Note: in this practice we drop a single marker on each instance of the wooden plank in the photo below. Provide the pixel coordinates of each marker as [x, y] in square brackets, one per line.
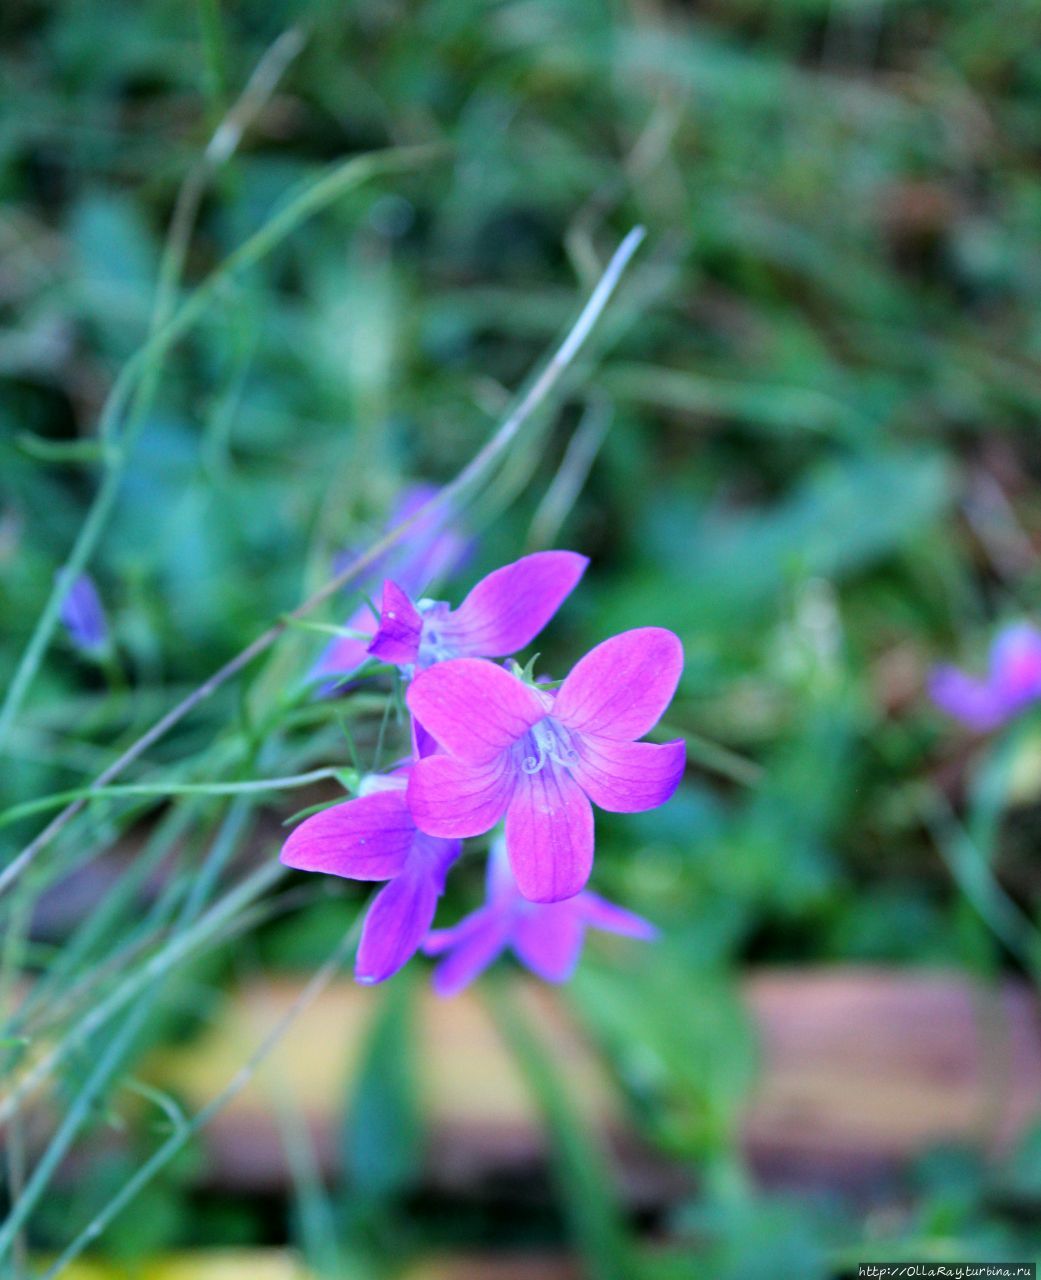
[278, 1264]
[876, 1066]
[201, 1264]
[861, 1070]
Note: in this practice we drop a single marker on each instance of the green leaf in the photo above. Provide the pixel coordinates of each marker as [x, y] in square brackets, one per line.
[581, 1173]
[383, 1133]
[60, 451]
[680, 1042]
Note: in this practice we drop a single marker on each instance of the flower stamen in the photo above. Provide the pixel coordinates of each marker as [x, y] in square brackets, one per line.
[549, 741]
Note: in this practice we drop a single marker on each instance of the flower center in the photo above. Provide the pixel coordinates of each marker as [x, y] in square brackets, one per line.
[433, 646]
[547, 741]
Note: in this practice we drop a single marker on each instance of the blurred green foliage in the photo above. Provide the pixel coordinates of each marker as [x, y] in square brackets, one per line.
[816, 460]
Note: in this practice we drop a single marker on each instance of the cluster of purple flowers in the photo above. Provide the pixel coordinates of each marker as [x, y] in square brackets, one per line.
[492, 744]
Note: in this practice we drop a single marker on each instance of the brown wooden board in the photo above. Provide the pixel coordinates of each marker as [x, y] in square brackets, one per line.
[861, 1070]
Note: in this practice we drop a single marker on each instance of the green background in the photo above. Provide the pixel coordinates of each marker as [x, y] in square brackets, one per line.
[804, 437]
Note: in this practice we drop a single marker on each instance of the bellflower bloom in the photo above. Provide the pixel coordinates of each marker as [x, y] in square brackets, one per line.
[1012, 683]
[501, 615]
[83, 617]
[374, 838]
[545, 937]
[512, 749]
[430, 551]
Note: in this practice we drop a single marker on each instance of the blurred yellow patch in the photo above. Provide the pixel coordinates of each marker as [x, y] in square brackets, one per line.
[1025, 783]
[215, 1264]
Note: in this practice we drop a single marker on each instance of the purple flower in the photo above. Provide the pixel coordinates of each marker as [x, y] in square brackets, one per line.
[430, 551]
[501, 615]
[374, 838]
[512, 749]
[1013, 681]
[545, 937]
[83, 616]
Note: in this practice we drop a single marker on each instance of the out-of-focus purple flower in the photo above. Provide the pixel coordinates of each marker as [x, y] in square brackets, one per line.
[83, 616]
[501, 615]
[375, 838]
[1013, 681]
[512, 749]
[431, 550]
[545, 937]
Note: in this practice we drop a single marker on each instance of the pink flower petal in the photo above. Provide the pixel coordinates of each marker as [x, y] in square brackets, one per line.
[507, 609]
[397, 922]
[400, 627]
[601, 914]
[621, 688]
[364, 839]
[448, 797]
[549, 835]
[473, 708]
[476, 942]
[438, 941]
[548, 940]
[1015, 665]
[627, 777]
